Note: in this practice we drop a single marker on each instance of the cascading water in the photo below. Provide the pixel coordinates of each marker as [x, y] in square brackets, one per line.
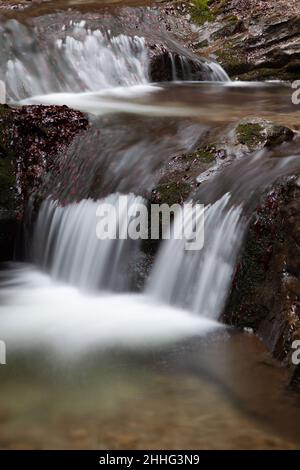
[86, 65]
[79, 60]
[102, 329]
[65, 243]
[83, 60]
[199, 280]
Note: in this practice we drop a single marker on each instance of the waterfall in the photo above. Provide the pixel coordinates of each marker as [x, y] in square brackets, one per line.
[81, 284]
[65, 243]
[199, 280]
[105, 61]
[186, 68]
[81, 59]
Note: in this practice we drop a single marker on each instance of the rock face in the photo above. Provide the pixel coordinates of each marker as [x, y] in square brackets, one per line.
[170, 62]
[253, 40]
[29, 139]
[179, 177]
[186, 172]
[265, 294]
[262, 52]
[266, 289]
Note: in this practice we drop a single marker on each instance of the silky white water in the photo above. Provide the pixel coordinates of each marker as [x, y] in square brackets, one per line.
[67, 246]
[72, 307]
[80, 60]
[71, 301]
[38, 312]
[65, 308]
[199, 280]
[83, 60]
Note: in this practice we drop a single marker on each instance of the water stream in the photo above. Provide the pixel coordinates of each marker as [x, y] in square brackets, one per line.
[153, 369]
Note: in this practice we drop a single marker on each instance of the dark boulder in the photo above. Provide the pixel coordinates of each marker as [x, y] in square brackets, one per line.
[171, 62]
[30, 138]
[265, 293]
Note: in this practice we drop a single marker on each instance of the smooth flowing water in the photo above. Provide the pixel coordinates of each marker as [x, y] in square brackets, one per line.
[91, 362]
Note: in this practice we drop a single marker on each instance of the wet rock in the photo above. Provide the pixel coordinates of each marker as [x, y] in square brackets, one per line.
[255, 134]
[270, 52]
[231, 27]
[179, 177]
[185, 172]
[169, 62]
[30, 137]
[252, 40]
[265, 294]
[9, 227]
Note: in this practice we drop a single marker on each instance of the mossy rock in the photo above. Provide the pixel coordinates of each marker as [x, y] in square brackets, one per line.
[27, 135]
[201, 44]
[250, 134]
[249, 301]
[9, 222]
[204, 154]
[218, 7]
[7, 170]
[200, 12]
[260, 133]
[171, 193]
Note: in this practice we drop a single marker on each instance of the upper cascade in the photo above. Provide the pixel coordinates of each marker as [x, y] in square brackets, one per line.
[81, 59]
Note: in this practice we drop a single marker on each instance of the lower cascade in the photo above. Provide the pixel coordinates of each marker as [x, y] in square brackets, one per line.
[199, 280]
[65, 244]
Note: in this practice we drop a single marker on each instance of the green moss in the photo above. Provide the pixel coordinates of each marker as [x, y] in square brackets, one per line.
[174, 192]
[3, 109]
[207, 155]
[200, 12]
[249, 134]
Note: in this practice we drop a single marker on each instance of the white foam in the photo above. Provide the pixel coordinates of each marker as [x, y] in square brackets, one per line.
[37, 312]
